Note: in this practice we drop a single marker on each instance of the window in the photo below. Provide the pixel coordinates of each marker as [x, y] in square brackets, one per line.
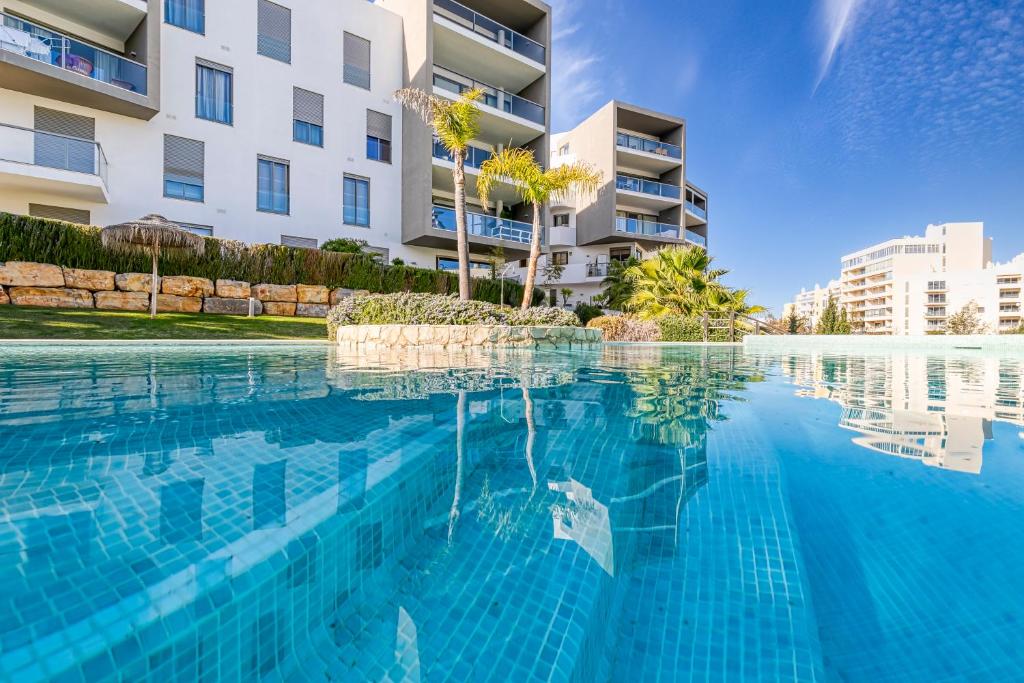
[184, 161]
[357, 201]
[274, 31]
[308, 115]
[378, 136]
[59, 213]
[186, 14]
[559, 258]
[213, 92]
[204, 230]
[271, 185]
[301, 242]
[563, 150]
[561, 220]
[357, 61]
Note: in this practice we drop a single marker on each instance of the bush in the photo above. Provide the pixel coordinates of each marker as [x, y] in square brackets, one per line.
[625, 328]
[676, 328]
[587, 312]
[344, 245]
[23, 238]
[408, 308]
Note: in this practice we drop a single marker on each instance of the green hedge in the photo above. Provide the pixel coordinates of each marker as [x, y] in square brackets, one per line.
[23, 238]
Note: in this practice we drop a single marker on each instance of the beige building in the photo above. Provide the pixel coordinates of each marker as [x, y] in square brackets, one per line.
[876, 281]
[810, 304]
[645, 202]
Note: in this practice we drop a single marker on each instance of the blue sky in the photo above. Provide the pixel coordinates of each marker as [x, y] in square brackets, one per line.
[817, 127]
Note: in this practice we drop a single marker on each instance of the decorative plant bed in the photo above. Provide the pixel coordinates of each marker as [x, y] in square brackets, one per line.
[441, 336]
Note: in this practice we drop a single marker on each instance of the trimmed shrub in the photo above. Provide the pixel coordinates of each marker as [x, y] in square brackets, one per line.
[23, 238]
[626, 328]
[676, 328]
[587, 312]
[409, 308]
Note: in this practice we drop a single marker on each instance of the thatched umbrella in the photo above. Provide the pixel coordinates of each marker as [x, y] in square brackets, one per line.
[152, 233]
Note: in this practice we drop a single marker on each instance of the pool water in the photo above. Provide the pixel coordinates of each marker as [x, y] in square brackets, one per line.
[623, 514]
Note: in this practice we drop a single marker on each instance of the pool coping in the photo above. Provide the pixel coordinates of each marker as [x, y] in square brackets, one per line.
[164, 342]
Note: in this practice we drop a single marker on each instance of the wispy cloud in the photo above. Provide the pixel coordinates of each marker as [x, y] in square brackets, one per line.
[579, 77]
[837, 20]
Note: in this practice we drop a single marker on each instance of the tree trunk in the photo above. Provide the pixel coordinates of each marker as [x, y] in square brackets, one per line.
[460, 438]
[531, 271]
[531, 433]
[154, 284]
[461, 235]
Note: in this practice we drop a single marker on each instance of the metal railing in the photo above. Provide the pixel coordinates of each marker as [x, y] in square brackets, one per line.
[474, 155]
[63, 52]
[597, 269]
[647, 145]
[52, 150]
[482, 225]
[632, 226]
[454, 82]
[633, 184]
[491, 30]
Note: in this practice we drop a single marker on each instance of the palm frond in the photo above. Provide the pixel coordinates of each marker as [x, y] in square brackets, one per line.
[515, 166]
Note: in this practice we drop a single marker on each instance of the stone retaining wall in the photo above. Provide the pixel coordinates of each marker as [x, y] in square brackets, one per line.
[41, 284]
[448, 336]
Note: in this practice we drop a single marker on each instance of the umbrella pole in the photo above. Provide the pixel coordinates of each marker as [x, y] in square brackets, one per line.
[154, 286]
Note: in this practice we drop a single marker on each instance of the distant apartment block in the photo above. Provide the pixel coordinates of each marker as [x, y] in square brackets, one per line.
[810, 304]
[644, 204]
[266, 121]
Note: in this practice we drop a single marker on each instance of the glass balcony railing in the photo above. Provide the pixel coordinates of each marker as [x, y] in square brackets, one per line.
[597, 269]
[27, 39]
[646, 145]
[482, 225]
[39, 148]
[491, 30]
[454, 82]
[474, 157]
[694, 238]
[696, 210]
[632, 226]
[652, 187]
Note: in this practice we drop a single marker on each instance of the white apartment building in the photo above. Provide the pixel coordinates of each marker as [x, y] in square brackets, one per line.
[644, 203]
[810, 304]
[995, 289]
[261, 121]
[878, 282]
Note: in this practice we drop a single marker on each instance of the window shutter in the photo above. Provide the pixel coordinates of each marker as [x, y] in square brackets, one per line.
[308, 106]
[63, 123]
[378, 125]
[274, 31]
[59, 213]
[56, 151]
[184, 160]
[357, 61]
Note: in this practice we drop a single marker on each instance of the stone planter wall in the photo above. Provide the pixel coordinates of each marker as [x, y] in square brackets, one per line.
[41, 284]
[461, 336]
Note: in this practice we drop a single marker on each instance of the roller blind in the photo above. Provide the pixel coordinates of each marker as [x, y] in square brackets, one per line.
[308, 106]
[357, 60]
[378, 125]
[59, 213]
[274, 31]
[302, 242]
[57, 151]
[184, 159]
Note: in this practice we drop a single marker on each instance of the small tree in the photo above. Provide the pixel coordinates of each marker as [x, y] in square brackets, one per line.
[829, 320]
[551, 272]
[967, 321]
[566, 293]
[344, 245]
[843, 324]
[793, 323]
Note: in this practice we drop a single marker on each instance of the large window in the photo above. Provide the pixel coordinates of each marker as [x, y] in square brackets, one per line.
[186, 14]
[213, 92]
[357, 61]
[184, 162]
[378, 136]
[357, 201]
[308, 117]
[272, 185]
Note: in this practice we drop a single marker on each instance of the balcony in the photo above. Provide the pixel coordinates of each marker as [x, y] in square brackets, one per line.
[497, 52]
[48, 163]
[505, 118]
[649, 195]
[70, 70]
[598, 269]
[696, 205]
[645, 154]
[695, 239]
[482, 225]
[632, 226]
[115, 18]
[442, 175]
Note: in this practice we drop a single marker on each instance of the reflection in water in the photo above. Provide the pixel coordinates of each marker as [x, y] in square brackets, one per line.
[937, 410]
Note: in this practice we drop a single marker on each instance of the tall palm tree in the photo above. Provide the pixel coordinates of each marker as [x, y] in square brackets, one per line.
[676, 281]
[455, 123]
[535, 186]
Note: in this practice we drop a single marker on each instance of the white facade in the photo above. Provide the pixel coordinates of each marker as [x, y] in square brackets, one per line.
[129, 182]
[810, 304]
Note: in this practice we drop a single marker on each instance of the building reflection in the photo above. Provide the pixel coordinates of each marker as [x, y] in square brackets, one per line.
[937, 410]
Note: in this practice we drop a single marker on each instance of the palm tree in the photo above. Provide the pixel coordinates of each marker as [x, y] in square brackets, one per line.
[617, 287]
[535, 186]
[678, 281]
[732, 301]
[455, 123]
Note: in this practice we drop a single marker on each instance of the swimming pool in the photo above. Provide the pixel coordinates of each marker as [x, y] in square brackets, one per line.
[622, 514]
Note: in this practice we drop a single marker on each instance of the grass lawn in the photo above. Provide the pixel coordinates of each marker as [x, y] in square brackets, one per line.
[18, 322]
